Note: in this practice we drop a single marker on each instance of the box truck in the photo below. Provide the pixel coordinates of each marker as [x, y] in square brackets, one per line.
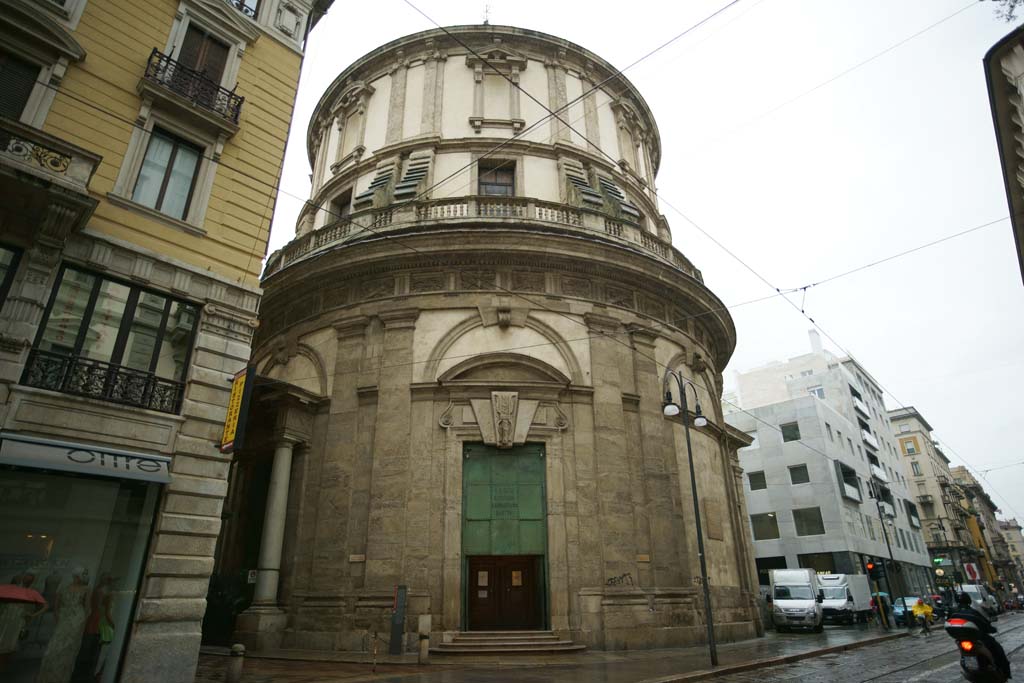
[847, 598]
[796, 600]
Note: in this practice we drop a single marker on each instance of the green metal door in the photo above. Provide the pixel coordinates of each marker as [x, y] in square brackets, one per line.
[504, 508]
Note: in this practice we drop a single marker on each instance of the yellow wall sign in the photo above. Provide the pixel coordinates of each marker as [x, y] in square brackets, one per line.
[238, 407]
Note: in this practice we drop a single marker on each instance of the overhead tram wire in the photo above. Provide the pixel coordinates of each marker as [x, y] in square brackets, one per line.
[518, 295]
[844, 72]
[275, 186]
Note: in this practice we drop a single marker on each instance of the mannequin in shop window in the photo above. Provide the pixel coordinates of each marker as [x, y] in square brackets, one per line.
[69, 611]
[99, 632]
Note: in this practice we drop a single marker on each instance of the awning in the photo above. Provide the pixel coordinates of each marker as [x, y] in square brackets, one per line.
[31, 451]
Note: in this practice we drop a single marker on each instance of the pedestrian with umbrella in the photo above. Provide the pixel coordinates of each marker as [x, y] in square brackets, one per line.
[19, 603]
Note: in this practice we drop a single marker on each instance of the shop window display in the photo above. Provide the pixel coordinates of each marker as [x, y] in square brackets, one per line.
[79, 543]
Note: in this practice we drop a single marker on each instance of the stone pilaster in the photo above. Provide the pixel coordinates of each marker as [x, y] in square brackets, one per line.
[341, 488]
[610, 450]
[389, 494]
[433, 91]
[661, 506]
[557, 98]
[589, 80]
[396, 105]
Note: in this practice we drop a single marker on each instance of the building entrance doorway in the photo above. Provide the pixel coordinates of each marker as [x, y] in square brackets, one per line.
[504, 538]
[504, 592]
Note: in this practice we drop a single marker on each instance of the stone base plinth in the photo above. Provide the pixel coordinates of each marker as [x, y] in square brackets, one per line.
[261, 628]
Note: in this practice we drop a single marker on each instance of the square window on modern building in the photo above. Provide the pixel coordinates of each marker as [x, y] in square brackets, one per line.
[798, 474]
[497, 178]
[817, 391]
[790, 431]
[113, 341]
[168, 174]
[808, 522]
[765, 526]
[757, 481]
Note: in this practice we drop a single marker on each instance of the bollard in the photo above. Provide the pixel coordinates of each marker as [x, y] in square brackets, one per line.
[235, 663]
[423, 627]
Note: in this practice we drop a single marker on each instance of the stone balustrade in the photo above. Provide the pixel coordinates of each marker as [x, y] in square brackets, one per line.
[517, 212]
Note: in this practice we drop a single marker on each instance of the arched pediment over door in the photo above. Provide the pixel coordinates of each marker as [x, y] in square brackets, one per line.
[506, 396]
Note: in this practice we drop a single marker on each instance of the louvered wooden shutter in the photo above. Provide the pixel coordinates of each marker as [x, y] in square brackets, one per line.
[17, 78]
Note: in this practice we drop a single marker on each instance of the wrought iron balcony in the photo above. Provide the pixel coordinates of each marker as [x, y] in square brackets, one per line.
[193, 86]
[104, 381]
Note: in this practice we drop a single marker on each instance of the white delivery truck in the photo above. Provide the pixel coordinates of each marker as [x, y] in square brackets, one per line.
[795, 600]
[847, 597]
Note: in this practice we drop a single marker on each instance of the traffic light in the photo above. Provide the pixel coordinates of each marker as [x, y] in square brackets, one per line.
[938, 560]
[875, 569]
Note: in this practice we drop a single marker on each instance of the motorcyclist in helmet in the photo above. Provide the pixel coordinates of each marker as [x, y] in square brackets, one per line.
[965, 610]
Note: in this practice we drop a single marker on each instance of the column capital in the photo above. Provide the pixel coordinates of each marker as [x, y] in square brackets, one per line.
[640, 334]
[601, 324]
[351, 327]
[405, 317]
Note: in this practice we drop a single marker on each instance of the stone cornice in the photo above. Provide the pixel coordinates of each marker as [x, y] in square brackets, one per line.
[345, 273]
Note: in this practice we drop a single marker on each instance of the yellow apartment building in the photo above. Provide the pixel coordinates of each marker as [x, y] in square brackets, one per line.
[141, 146]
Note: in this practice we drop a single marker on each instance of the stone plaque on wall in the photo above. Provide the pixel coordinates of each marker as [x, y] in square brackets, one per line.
[713, 519]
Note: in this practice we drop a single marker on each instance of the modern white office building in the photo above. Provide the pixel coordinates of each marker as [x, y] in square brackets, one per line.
[824, 486]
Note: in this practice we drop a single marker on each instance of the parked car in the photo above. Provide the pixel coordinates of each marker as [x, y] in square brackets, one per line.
[900, 611]
[981, 600]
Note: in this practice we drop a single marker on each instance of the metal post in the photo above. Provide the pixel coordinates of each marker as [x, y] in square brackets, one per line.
[235, 664]
[700, 529]
[892, 562]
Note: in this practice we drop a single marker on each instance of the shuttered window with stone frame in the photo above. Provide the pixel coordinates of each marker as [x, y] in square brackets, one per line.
[17, 79]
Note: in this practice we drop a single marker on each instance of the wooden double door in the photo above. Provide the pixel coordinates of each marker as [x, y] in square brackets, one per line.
[505, 592]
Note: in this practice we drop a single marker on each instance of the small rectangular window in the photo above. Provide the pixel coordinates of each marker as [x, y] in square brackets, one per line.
[790, 431]
[8, 266]
[909, 446]
[765, 526]
[757, 481]
[916, 467]
[168, 174]
[798, 474]
[497, 178]
[808, 522]
[806, 373]
[817, 391]
[828, 429]
[904, 429]
[17, 79]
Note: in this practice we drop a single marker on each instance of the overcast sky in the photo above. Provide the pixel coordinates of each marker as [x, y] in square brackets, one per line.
[892, 155]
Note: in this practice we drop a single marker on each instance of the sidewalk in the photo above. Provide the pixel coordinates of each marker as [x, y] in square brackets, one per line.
[648, 666]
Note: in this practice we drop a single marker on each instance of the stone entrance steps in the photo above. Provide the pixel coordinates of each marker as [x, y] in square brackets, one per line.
[506, 643]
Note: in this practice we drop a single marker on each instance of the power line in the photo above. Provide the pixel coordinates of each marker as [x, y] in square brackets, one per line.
[839, 75]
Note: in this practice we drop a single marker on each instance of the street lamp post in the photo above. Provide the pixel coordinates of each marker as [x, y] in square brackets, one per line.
[892, 560]
[670, 409]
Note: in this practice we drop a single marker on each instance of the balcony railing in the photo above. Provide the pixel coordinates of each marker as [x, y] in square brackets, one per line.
[194, 86]
[518, 211]
[852, 492]
[104, 381]
[861, 406]
[878, 473]
[869, 438]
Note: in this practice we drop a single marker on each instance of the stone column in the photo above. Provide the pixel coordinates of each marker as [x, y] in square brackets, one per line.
[396, 105]
[272, 540]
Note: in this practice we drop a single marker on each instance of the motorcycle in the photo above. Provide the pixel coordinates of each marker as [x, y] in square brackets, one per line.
[977, 664]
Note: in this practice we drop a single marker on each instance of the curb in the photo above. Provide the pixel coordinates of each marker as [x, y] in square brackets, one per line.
[772, 661]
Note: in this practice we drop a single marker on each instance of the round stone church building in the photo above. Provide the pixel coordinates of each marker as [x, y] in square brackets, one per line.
[460, 369]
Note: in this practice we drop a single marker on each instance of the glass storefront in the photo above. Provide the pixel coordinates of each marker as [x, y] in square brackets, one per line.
[79, 541]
